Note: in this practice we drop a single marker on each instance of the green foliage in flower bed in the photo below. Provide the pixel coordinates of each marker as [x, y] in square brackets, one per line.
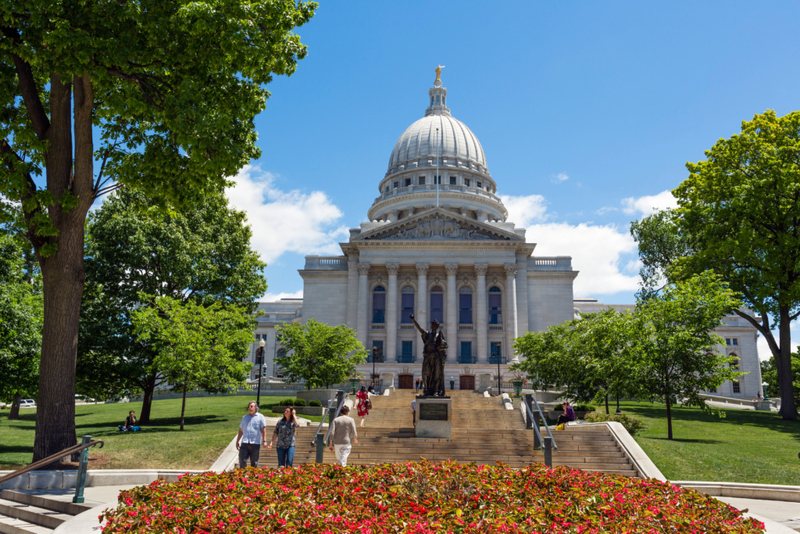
[292, 402]
[419, 498]
[631, 424]
[314, 403]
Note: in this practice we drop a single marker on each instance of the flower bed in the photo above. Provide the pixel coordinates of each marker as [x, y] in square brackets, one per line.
[419, 498]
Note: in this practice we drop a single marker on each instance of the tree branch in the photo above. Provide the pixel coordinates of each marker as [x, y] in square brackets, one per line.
[27, 85]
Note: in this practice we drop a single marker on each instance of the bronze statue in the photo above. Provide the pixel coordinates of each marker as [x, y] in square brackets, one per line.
[438, 73]
[434, 355]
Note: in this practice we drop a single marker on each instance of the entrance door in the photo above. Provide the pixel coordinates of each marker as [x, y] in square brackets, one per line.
[405, 381]
[467, 382]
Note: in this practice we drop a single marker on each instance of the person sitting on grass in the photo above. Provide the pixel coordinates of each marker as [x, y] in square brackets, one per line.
[130, 423]
[568, 415]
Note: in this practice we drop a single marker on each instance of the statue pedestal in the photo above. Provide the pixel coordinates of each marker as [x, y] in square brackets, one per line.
[434, 417]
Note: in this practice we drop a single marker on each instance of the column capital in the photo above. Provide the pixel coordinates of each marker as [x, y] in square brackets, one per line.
[511, 269]
[451, 269]
[392, 268]
[363, 269]
[481, 268]
[422, 269]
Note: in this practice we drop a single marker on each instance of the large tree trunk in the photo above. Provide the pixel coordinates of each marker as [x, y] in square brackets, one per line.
[783, 365]
[669, 419]
[147, 401]
[14, 413]
[183, 405]
[63, 272]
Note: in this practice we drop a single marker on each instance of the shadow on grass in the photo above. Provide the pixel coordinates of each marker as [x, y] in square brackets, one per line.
[163, 424]
[683, 440]
[16, 448]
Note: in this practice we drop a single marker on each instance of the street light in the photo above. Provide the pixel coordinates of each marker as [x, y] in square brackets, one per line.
[260, 363]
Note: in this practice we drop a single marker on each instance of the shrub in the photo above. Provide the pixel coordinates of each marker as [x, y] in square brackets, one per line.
[631, 425]
[420, 498]
[314, 403]
[299, 402]
[584, 408]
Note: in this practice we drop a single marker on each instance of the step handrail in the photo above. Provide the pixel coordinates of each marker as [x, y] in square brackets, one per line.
[544, 420]
[50, 459]
[327, 411]
[338, 409]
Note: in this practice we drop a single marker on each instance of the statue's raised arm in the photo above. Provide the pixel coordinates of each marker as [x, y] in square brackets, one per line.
[421, 331]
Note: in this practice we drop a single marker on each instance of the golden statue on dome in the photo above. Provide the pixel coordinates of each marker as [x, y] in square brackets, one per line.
[439, 73]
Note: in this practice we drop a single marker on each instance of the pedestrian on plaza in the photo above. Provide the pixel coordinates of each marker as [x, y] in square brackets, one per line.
[414, 412]
[252, 435]
[417, 383]
[364, 404]
[343, 435]
[284, 435]
[371, 389]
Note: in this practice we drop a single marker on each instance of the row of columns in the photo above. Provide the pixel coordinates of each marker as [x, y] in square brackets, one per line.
[481, 319]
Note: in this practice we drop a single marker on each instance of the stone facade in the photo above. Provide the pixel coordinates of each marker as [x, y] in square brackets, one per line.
[438, 245]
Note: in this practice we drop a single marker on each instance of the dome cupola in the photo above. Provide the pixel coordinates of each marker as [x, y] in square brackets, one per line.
[438, 143]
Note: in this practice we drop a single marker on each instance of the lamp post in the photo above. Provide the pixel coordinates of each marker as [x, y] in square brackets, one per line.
[499, 390]
[260, 363]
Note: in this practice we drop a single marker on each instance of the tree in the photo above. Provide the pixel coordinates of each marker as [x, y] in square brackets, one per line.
[676, 342]
[170, 89]
[587, 358]
[198, 346]
[201, 254]
[738, 214]
[319, 354]
[769, 374]
[21, 331]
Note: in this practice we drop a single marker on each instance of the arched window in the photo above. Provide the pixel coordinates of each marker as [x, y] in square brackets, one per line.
[495, 305]
[406, 304]
[437, 304]
[735, 366]
[379, 305]
[465, 306]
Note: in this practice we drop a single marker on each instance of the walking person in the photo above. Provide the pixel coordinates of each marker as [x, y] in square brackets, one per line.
[416, 384]
[284, 435]
[343, 436]
[252, 435]
[364, 404]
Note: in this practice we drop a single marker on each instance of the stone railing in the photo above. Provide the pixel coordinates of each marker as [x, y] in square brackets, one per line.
[551, 263]
[326, 263]
[443, 188]
[760, 405]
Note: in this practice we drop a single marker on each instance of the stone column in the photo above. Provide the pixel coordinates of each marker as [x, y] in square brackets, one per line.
[451, 319]
[352, 292]
[391, 312]
[269, 353]
[363, 302]
[522, 293]
[422, 306]
[511, 292]
[482, 315]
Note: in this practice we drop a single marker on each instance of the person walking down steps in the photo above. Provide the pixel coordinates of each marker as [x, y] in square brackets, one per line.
[364, 404]
[343, 436]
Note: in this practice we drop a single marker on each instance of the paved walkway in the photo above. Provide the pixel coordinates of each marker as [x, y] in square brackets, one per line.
[783, 512]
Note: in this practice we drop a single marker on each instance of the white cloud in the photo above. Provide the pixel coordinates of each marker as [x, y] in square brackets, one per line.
[606, 209]
[647, 205]
[524, 211]
[763, 347]
[560, 177]
[597, 252]
[274, 297]
[286, 221]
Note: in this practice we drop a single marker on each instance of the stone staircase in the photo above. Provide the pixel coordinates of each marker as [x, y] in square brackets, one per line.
[484, 432]
[21, 513]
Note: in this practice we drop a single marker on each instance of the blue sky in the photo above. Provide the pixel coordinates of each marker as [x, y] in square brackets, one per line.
[587, 112]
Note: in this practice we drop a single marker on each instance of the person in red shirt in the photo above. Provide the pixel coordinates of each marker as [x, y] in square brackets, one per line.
[363, 398]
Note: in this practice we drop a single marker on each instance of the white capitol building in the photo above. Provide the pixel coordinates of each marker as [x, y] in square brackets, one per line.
[438, 244]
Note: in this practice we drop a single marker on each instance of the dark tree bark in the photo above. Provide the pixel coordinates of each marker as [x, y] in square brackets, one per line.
[13, 415]
[607, 412]
[788, 410]
[183, 405]
[148, 391]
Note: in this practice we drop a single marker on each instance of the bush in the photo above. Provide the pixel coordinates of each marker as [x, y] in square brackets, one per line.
[288, 402]
[584, 408]
[314, 403]
[419, 497]
[631, 425]
[299, 402]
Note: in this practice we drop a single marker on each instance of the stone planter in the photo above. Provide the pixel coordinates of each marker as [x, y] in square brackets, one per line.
[321, 395]
[517, 385]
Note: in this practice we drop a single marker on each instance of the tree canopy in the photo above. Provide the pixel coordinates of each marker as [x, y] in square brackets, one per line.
[168, 88]
[318, 354]
[199, 255]
[738, 215]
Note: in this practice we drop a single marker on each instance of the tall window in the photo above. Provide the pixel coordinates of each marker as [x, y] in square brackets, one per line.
[407, 356]
[276, 368]
[465, 306]
[406, 304]
[735, 366]
[408, 182]
[437, 304]
[495, 306]
[452, 180]
[421, 180]
[466, 352]
[379, 305]
[496, 351]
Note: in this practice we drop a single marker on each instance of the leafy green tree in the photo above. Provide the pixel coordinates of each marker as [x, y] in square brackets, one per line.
[198, 347]
[201, 254]
[660, 243]
[319, 354]
[738, 215]
[20, 326]
[587, 358]
[169, 87]
[769, 374]
[676, 342]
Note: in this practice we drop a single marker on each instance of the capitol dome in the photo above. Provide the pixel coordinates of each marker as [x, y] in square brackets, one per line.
[439, 143]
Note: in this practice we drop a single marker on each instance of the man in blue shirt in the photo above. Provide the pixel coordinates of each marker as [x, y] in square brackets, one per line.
[252, 435]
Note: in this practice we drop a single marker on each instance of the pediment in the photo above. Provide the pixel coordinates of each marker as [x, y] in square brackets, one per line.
[438, 225]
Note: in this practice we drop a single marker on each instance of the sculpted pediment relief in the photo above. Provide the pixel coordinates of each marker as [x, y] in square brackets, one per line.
[437, 227]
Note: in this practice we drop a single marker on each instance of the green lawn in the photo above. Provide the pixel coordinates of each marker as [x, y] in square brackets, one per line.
[745, 446]
[210, 424]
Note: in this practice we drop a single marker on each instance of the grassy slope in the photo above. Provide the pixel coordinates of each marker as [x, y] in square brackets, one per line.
[210, 424]
[745, 446]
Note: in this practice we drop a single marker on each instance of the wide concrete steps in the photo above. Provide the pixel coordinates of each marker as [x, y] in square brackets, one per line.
[21, 513]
